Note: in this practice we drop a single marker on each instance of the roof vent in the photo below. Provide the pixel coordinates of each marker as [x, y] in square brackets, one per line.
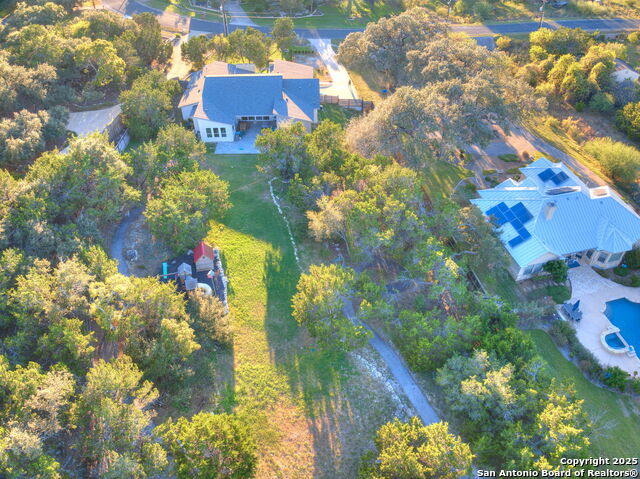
[549, 210]
[600, 191]
[561, 190]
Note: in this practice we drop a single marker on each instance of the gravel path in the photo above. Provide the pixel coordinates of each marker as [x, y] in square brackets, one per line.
[400, 372]
[117, 243]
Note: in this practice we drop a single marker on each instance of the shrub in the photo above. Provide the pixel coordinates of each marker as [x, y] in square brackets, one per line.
[557, 269]
[632, 258]
[618, 161]
[558, 333]
[552, 122]
[621, 271]
[580, 107]
[602, 102]
[628, 120]
[209, 319]
[614, 377]
[537, 53]
[559, 293]
[503, 43]
[633, 37]
[509, 157]
[482, 10]
[547, 89]
[588, 8]
[635, 281]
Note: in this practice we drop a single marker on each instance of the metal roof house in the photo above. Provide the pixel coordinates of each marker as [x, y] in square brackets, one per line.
[222, 99]
[551, 214]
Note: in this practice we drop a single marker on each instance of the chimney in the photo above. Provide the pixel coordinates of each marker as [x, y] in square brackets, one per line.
[549, 209]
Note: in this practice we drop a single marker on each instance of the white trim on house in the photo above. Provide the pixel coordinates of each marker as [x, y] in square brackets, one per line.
[212, 131]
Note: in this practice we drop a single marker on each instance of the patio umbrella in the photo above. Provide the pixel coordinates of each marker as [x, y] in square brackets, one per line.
[576, 305]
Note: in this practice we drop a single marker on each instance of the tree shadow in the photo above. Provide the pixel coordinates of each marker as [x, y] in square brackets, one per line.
[316, 377]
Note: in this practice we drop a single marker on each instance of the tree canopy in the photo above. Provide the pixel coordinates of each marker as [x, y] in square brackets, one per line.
[184, 206]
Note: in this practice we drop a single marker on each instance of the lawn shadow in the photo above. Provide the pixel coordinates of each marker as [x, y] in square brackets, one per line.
[316, 378]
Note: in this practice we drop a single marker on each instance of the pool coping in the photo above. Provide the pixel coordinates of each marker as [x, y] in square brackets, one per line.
[594, 292]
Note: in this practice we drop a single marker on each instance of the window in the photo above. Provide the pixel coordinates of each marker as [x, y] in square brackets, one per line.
[537, 268]
[216, 132]
[528, 270]
[602, 257]
[615, 257]
[209, 133]
[589, 253]
[223, 132]
[245, 118]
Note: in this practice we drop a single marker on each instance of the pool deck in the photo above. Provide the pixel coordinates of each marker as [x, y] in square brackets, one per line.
[594, 292]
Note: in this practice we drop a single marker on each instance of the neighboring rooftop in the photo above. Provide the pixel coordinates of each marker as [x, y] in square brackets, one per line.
[552, 211]
[290, 70]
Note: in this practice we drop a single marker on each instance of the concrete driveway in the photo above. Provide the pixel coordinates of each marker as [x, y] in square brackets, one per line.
[238, 15]
[518, 141]
[341, 84]
[179, 68]
[84, 122]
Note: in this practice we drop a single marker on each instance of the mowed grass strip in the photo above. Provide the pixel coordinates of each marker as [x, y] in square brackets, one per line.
[616, 416]
[314, 413]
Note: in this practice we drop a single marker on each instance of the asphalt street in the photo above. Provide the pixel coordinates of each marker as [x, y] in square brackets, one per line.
[131, 7]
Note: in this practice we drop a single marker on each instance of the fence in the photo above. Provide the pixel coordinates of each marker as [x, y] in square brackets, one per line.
[352, 103]
[123, 141]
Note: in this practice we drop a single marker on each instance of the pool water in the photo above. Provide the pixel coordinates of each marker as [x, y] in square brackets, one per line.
[625, 315]
[613, 340]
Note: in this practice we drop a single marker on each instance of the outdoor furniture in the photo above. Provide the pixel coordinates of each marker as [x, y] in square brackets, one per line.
[573, 310]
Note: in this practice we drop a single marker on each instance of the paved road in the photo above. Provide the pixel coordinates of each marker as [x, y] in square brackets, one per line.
[131, 7]
[400, 372]
[117, 243]
[238, 15]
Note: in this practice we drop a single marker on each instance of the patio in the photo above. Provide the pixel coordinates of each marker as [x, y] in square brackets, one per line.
[244, 145]
[594, 292]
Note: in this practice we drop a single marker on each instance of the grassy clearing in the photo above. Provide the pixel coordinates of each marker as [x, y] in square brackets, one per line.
[563, 142]
[333, 16]
[441, 177]
[337, 114]
[314, 414]
[617, 417]
[368, 85]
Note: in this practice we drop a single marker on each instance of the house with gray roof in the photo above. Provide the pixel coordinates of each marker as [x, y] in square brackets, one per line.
[551, 214]
[223, 99]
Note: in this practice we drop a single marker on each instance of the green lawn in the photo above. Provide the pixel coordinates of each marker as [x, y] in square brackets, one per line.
[314, 414]
[617, 417]
[442, 177]
[334, 16]
[337, 114]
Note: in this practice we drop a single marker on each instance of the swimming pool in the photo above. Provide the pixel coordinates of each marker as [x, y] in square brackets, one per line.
[614, 341]
[625, 314]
